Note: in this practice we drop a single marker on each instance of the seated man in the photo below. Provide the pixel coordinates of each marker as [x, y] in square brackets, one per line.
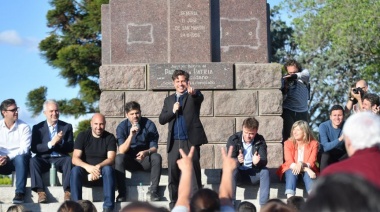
[371, 103]
[93, 157]
[52, 141]
[138, 142]
[331, 138]
[250, 150]
[15, 137]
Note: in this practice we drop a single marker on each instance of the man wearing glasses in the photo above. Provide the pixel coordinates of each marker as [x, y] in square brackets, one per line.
[15, 138]
[354, 102]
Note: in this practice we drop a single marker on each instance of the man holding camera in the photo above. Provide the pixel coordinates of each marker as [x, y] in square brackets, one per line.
[354, 102]
[295, 89]
[250, 150]
[138, 143]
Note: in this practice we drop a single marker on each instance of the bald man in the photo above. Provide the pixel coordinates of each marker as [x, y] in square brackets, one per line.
[94, 155]
[354, 102]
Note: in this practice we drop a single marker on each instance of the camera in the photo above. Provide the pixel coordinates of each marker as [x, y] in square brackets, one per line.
[358, 90]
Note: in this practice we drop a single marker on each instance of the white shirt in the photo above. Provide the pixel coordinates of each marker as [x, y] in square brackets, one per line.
[247, 155]
[15, 141]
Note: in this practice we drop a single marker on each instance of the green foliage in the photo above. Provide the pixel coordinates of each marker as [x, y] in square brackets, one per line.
[338, 42]
[35, 100]
[82, 126]
[5, 180]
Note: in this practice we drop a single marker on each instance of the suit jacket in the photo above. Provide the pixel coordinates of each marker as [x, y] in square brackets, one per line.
[291, 155]
[191, 111]
[41, 137]
[258, 144]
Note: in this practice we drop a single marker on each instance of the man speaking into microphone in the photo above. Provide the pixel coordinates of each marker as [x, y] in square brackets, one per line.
[137, 138]
[181, 110]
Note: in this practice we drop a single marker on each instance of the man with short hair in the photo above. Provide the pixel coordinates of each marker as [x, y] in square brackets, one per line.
[295, 90]
[354, 102]
[362, 139]
[182, 110]
[371, 103]
[93, 157]
[250, 150]
[15, 138]
[138, 143]
[331, 138]
[52, 142]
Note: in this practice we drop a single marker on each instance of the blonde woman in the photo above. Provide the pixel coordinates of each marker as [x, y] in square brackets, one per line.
[300, 152]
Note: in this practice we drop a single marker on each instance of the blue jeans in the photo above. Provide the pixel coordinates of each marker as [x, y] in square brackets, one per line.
[20, 164]
[254, 176]
[291, 182]
[78, 178]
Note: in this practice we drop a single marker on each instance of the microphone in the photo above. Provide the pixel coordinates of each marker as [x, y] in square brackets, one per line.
[138, 126]
[177, 96]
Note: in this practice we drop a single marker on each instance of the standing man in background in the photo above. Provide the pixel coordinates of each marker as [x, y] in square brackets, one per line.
[182, 110]
[15, 138]
[52, 142]
[295, 89]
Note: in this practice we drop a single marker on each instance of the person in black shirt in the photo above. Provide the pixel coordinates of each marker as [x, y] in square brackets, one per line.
[93, 157]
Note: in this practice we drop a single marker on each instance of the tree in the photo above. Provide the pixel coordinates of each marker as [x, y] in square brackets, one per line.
[74, 48]
[339, 43]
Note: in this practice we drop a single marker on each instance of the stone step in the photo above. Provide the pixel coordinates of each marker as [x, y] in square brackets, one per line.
[95, 194]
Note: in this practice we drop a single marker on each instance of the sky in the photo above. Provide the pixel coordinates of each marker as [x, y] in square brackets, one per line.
[22, 27]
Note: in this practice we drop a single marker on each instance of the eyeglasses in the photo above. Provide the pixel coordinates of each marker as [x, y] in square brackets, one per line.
[13, 110]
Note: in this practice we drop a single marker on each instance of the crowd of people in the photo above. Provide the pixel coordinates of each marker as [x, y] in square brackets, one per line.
[99, 158]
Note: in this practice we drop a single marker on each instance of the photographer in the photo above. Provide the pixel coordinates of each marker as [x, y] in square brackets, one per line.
[295, 89]
[354, 102]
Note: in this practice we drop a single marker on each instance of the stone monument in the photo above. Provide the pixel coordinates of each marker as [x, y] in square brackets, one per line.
[224, 44]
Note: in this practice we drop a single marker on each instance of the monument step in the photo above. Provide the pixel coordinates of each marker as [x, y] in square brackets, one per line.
[95, 194]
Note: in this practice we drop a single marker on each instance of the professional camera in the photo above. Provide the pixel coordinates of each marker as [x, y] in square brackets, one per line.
[358, 90]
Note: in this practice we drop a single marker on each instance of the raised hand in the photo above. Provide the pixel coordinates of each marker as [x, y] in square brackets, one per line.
[240, 157]
[190, 89]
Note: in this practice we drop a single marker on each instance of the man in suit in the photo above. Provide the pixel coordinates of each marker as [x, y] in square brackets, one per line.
[52, 141]
[182, 110]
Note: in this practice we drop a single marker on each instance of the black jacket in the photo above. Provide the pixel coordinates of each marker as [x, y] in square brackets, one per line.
[258, 144]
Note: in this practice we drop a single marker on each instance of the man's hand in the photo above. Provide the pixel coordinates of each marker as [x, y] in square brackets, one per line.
[186, 161]
[240, 157]
[176, 107]
[310, 172]
[229, 163]
[95, 171]
[357, 96]
[191, 90]
[140, 156]
[3, 160]
[341, 138]
[134, 129]
[57, 138]
[256, 158]
[376, 110]
[297, 168]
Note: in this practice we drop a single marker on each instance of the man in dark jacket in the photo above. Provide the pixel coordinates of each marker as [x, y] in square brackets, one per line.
[250, 150]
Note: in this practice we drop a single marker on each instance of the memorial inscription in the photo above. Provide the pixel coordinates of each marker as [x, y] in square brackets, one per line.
[202, 75]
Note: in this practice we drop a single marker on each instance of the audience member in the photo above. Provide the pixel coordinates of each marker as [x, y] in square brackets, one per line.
[16, 208]
[246, 206]
[52, 141]
[250, 150]
[295, 89]
[15, 139]
[205, 200]
[181, 111]
[70, 206]
[300, 158]
[93, 157]
[87, 206]
[331, 138]
[362, 139]
[296, 202]
[354, 102]
[343, 192]
[371, 103]
[137, 206]
[275, 206]
[138, 143]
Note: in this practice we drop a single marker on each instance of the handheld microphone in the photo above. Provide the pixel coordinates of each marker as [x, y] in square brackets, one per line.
[177, 96]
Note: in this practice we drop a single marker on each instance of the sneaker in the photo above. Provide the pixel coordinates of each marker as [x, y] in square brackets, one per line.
[154, 196]
[121, 198]
[67, 196]
[42, 198]
[19, 198]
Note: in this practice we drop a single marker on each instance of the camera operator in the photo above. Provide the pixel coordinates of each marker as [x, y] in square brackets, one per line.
[354, 102]
[295, 89]
[371, 103]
